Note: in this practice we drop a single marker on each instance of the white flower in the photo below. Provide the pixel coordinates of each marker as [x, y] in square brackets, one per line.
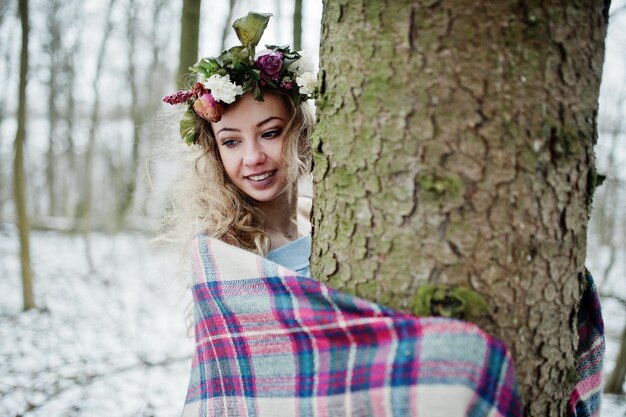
[302, 65]
[222, 89]
[306, 82]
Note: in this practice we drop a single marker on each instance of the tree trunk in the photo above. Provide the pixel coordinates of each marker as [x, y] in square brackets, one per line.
[7, 58]
[83, 211]
[19, 177]
[151, 102]
[297, 25]
[189, 34]
[69, 184]
[454, 148]
[130, 181]
[53, 48]
[278, 16]
[227, 23]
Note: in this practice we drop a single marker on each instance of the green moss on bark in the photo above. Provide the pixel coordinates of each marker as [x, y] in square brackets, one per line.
[449, 301]
[440, 185]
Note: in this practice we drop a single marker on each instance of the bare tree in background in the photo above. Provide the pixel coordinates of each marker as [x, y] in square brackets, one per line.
[189, 34]
[136, 112]
[297, 25]
[69, 68]
[607, 200]
[608, 217]
[145, 99]
[4, 6]
[53, 47]
[278, 16]
[85, 204]
[615, 381]
[5, 52]
[19, 177]
[160, 38]
[609, 226]
[157, 72]
[227, 23]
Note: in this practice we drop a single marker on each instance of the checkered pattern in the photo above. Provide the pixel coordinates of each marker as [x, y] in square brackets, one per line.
[585, 400]
[270, 343]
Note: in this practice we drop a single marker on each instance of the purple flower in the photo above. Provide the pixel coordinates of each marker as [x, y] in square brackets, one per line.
[206, 107]
[179, 97]
[270, 64]
[287, 85]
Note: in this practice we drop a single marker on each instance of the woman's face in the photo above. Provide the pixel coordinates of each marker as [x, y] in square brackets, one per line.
[249, 139]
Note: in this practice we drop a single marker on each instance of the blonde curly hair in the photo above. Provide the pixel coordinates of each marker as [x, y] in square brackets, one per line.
[211, 203]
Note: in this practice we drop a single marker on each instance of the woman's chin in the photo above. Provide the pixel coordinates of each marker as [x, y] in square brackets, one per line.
[265, 193]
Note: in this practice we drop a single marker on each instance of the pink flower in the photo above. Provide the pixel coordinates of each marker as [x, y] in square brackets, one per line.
[287, 85]
[206, 107]
[270, 64]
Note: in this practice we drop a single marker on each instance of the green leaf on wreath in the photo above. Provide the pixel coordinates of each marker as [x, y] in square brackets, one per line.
[188, 127]
[206, 67]
[258, 94]
[250, 28]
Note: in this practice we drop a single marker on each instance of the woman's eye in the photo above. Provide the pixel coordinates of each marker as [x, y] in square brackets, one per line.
[272, 133]
[230, 143]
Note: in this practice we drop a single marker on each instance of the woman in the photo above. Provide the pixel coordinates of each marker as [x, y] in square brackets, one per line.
[263, 148]
[248, 172]
[252, 125]
[269, 340]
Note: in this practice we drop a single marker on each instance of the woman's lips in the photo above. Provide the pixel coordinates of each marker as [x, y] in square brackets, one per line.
[261, 180]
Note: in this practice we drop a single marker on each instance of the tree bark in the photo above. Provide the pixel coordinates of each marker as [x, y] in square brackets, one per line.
[189, 34]
[19, 177]
[454, 148]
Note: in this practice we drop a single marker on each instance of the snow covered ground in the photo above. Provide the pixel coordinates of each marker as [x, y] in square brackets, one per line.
[114, 342]
[108, 343]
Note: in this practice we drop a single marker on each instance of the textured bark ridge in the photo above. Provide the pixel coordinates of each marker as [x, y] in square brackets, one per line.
[454, 147]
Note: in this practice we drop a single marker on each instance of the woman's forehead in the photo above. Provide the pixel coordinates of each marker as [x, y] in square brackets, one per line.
[247, 111]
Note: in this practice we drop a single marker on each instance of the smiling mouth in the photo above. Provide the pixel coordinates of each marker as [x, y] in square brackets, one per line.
[261, 177]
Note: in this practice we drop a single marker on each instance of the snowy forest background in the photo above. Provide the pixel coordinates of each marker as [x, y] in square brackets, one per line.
[110, 334]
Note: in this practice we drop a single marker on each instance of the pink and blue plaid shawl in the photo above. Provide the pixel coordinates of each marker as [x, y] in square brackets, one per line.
[270, 343]
[585, 399]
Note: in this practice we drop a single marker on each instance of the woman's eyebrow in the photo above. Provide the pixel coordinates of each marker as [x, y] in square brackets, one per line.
[261, 123]
[227, 129]
[269, 119]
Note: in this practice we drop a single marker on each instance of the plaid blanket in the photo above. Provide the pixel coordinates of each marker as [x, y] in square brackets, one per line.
[585, 399]
[270, 343]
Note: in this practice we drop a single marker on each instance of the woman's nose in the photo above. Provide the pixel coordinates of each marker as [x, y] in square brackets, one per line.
[254, 154]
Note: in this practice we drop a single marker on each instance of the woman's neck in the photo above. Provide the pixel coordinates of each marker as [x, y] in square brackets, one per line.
[281, 218]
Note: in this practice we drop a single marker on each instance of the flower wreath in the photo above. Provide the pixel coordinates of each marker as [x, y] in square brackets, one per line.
[238, 70]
